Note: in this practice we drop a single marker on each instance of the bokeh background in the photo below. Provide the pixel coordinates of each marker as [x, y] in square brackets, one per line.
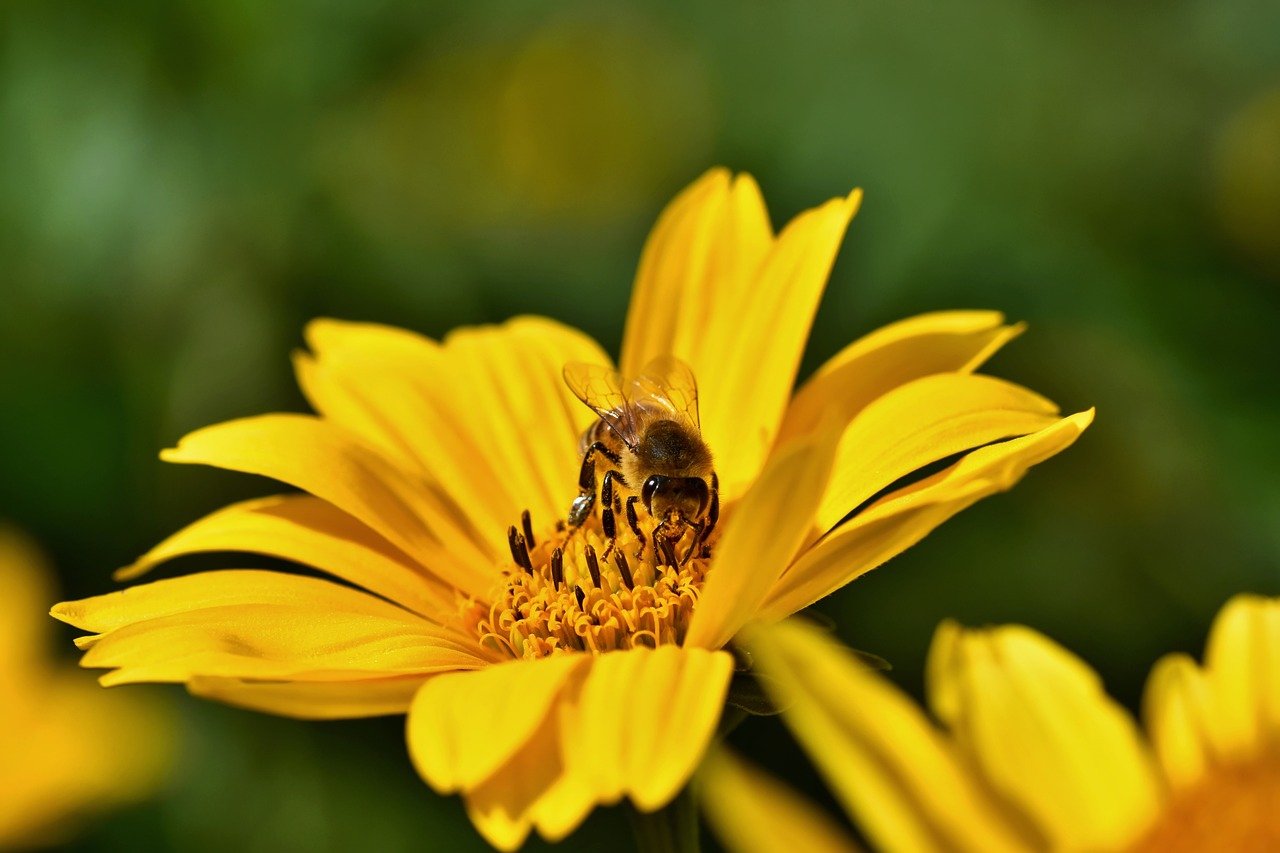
[183, 185]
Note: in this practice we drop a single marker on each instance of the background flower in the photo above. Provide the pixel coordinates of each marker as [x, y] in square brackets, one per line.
[1029, 753]
[68, 749]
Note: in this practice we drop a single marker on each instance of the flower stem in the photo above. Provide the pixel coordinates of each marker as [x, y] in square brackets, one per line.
[671, 829]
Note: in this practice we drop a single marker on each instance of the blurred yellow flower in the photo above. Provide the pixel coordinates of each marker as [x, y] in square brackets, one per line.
[1032, 753]
[67, 749]
[540, 680]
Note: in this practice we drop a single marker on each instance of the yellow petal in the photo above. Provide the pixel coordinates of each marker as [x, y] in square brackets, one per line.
[1037, 724]
[753, 813]
[258, 625]
[941, 342]
[1176, 707]
[890, 769]
[921, 423]
[105, 613]
[616, 730]
[711, 283]
[887, 528]
[485, 415]
[1242, 672]
[315, 533]
[321, 458]
[464, 726]
[316, 700]
[24, 579]
[761, 537]
[502, 806]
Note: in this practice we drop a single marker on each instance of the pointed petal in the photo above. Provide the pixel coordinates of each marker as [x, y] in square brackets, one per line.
[485, 415]
[888, 766]
[873, 365]
[321, 458]
[754, 813]
[761, 538]
[310, 531]
[886, 529]
[1178, 711]
[923, 422]
[464, 726]
[258, 625]
[316, 700]
[1037, 724]
[711, 283]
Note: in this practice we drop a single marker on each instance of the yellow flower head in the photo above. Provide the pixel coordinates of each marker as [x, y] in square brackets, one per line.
[1032, 754]
[548, 667]
[66, 748]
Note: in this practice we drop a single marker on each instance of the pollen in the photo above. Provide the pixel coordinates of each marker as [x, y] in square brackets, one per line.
[569, 591]
[1234, 807]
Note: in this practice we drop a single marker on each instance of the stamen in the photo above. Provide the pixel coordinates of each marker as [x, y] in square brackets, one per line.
[624, 568]
[557, 567]
[519, 552]
[593, 565]
[579, 595]
[526, 523]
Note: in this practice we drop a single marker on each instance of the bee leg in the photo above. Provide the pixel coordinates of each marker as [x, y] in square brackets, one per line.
[607, 520]
[713, 515]
[634, 522]
[668, 551]
[586, 499]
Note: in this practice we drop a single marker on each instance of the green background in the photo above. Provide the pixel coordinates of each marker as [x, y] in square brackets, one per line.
[183, 185]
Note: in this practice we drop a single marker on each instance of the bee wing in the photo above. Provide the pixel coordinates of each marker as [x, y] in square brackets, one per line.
[602, 390]
[668, 384]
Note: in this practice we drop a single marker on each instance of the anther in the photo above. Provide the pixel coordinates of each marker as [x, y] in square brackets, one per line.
[593, 565]
[624, 568]
[519, 551]
[557, 567]
[580, 595]
[527, 524]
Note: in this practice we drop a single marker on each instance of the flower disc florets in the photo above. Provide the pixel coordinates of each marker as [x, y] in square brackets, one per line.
[570, 592]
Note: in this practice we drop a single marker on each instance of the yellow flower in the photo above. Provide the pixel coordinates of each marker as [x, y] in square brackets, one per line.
[66, 748]
[540, 690]
[1032, 754]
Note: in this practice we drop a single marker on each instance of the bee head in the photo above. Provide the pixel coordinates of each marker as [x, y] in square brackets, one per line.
[674, 500]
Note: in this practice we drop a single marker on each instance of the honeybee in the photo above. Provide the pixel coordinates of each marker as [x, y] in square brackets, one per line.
[650, 439]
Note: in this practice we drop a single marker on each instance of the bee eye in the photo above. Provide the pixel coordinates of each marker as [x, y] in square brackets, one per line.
[650, 486]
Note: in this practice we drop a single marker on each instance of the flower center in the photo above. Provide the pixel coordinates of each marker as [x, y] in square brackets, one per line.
[569, 591]
[1234, 807]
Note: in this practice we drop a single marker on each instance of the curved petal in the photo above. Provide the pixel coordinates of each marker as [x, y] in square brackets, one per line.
[760, 539]
[321, 458]
[1177, 710]
[887, 528]
[1242, 674]
[307, 530]
[616, 732]
[1037, 724]
[464, 726]
[485, 415]
[887, 765]
[313, 700]
[712, 283]
[251, 624]
[754, 813]
[923, 422]
[875, 364]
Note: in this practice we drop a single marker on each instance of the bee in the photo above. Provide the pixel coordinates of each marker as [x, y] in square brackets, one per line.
[649, 438]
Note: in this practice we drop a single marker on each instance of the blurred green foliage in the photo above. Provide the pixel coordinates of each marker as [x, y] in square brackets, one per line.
[183, 185]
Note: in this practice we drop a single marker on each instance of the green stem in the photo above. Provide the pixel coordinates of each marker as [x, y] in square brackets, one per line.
[671, 829]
